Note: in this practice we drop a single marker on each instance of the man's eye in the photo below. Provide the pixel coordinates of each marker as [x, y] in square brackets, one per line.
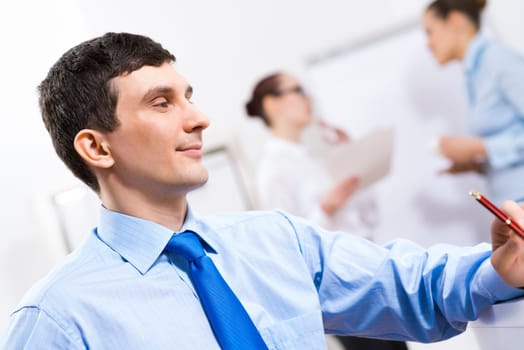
[162, 103]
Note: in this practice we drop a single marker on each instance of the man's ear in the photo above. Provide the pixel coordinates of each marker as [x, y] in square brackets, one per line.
[94, 148]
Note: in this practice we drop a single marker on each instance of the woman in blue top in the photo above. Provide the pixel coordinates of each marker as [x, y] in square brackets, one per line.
[495, 87]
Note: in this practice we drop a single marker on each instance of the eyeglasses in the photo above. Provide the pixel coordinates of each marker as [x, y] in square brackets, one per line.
[292, 90]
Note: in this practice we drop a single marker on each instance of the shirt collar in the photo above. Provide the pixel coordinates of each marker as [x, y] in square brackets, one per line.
[141, 242]
[474, 51]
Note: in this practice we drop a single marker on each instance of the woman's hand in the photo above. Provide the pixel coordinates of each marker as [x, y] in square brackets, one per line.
[508, 246]
[463, 149]
[333, 134]
[458, 168]
[335, 198]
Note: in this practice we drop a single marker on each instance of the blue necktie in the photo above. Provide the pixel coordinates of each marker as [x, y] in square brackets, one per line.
[229, 320]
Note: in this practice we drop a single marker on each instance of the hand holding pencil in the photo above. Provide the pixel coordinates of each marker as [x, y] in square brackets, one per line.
[507, 242]
[499, 214]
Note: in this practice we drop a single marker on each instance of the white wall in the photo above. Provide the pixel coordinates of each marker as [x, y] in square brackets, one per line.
[223, 47]
[31, 36]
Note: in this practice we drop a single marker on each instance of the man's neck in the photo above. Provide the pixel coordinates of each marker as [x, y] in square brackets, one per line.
[167, 211]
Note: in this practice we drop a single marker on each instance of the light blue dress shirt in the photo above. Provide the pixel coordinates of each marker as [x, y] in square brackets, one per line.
[119, 291]
[495, 85]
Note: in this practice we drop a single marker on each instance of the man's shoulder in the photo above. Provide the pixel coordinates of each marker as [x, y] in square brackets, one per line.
[64, 280]
[252, 217]
[258, 227]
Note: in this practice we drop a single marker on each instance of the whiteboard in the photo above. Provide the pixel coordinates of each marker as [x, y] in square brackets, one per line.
[393, 81]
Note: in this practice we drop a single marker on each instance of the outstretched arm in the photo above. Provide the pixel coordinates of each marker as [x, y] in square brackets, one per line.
[403, 291]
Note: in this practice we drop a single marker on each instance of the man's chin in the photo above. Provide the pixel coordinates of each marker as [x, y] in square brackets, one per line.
[198, 182]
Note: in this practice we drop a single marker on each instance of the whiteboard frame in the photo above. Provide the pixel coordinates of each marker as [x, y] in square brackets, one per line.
[239, 173]
[365, 41]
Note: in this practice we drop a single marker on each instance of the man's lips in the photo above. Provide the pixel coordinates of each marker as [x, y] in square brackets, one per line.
[194, 149]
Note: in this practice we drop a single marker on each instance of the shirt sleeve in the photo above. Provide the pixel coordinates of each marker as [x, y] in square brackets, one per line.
[507, 147]
[400, 290]
[512, 82]
[33, 328]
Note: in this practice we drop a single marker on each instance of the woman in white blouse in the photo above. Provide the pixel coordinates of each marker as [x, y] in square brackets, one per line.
[289, 177]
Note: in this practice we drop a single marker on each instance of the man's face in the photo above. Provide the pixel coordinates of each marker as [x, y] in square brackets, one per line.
[157, 147]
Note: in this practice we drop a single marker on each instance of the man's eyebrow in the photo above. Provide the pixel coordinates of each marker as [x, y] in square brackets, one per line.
[164, 90]
[158, 90]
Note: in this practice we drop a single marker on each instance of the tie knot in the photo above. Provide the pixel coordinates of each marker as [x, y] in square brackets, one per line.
[186, 244]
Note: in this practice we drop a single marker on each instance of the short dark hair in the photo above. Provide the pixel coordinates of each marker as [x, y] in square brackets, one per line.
[77, 93]
[471, 8]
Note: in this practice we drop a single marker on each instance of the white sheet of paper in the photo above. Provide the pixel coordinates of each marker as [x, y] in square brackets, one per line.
[368, 157]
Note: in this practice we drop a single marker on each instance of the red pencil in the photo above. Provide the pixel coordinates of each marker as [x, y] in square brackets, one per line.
[497, 212]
